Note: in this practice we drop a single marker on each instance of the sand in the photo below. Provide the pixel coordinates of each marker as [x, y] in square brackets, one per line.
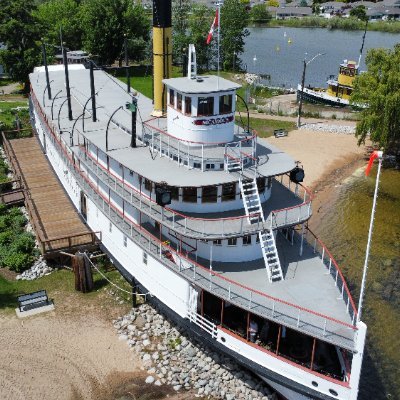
[320, 153]
[74, 353]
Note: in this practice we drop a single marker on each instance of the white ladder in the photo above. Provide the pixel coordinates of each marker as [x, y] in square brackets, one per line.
[233, 164]
[270, 254]
[251, 201]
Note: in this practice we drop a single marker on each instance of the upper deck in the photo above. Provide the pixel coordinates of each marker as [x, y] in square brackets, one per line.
[159, 156]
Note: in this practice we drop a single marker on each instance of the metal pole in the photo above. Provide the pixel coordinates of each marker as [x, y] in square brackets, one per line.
[92, 93]
[46, 69]
[301, 93]
[371, 226]
[67, 84]
[128, 77]
[108, 124]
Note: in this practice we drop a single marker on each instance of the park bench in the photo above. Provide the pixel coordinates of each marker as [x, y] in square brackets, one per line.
[280, 133]
[33, 300]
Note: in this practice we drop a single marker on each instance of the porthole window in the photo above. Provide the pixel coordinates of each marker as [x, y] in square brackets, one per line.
[333, 392]
[223, 340]
[315, 384]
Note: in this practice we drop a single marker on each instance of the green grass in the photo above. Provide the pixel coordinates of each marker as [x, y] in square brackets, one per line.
[58, 284]
[142, 79]
[265, 127]
[5, 82]
[8, 111]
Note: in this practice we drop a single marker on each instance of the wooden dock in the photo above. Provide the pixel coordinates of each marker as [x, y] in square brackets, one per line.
[56, 222]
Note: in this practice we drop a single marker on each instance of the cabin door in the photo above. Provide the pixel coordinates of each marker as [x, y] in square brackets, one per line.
[84, 205]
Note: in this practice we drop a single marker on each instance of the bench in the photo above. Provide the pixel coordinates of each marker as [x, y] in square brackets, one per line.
[280, 133]
[33, 300]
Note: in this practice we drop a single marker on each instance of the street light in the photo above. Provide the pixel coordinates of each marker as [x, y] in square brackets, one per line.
[305, 63]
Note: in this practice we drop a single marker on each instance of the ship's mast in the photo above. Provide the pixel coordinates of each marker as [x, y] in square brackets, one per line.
[362, 45]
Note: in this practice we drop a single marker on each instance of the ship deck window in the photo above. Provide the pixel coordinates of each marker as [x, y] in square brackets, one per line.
[190, 194]
[147, 184]
[188, 105]
[228, 191]
[210, 166]
[179, 102]
[261, 184]
[225, 104]
[174, 192]
[196, 165]
[171, 97]
[217, 242]
[347, 71]
[205, 106]
[209, 194]
[232, 241]
[246, 240]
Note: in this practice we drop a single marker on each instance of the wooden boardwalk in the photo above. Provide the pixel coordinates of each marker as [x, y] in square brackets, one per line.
[55, 220]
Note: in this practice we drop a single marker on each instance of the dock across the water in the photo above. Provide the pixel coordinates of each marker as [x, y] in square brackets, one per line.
[57, 224]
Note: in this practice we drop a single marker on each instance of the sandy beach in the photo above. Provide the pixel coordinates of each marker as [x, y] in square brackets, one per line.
[74, 353]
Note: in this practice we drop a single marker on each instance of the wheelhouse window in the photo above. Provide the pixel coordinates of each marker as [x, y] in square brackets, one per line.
[189, 194]
[205, 106]
[171, 97]
[225, 104]
[179, 102]
[228, 191]
[188, 105]
[209, 194]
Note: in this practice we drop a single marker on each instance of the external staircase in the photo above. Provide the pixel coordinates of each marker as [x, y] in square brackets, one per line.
[255, 214]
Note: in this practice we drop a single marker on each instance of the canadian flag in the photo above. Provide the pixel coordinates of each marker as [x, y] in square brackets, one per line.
[374, 155]
[214, 25]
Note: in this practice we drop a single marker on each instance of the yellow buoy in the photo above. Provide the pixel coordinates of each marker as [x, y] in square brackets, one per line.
[277, 48]
[289, 41]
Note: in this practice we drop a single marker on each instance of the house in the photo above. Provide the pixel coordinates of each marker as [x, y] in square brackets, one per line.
[293, 12]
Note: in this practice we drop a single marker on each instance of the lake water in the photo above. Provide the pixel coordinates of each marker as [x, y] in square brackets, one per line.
[345, 230]
[283, 61]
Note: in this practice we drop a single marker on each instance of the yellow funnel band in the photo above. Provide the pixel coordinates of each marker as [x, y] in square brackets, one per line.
[162, 64]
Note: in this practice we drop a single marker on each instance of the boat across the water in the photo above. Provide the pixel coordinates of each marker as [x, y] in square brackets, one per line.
[339, 89]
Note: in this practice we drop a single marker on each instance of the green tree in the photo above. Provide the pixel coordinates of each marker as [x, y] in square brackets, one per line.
[234, 19]
[104, 24]
[303, 3]
[273, 3]
[180, 24]
[359, 12]
[20, 32]
[54, 15]
[379, 89]
[259, 13]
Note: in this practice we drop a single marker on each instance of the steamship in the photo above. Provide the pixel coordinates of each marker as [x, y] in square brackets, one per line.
[203, 217]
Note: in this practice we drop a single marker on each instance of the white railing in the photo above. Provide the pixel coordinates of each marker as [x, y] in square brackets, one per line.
[203, 323]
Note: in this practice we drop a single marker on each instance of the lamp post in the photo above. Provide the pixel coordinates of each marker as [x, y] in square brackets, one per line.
[132, 107]
[108, 124]
[305, 63]
[52, 104]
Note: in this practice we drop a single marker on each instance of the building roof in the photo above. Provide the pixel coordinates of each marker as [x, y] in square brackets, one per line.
[203, 84]
[294, 10]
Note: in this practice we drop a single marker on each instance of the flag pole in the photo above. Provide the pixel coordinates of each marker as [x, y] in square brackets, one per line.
[371, 226]
[219, 28]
